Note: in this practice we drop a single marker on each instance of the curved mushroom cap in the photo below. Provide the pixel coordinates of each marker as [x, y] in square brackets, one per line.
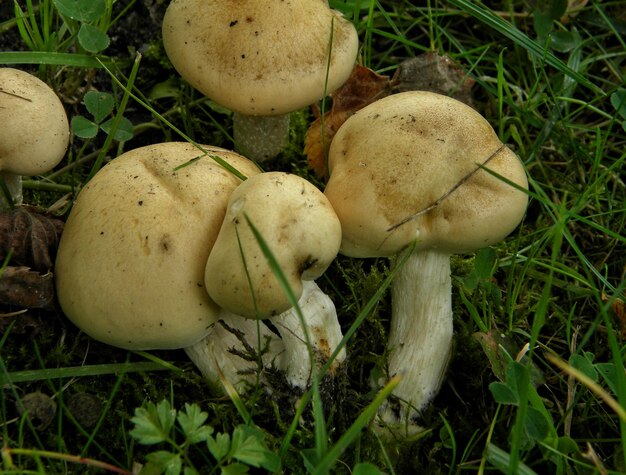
[35, 132]
[298, 224]
[407, 167]
[259, 57]
[130, 264]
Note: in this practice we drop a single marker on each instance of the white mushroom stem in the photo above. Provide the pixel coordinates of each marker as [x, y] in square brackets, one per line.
[13, 184]
[260, 138]
[228, 351]
[324, 333]
[421, 332]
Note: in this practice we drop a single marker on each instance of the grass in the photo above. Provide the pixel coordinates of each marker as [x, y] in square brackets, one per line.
[536, 383]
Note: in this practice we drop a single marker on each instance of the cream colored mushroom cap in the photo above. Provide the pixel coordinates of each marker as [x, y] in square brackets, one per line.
[35, 132]
[407, 167]
[259, 57]
[130, 264]
[298, 224]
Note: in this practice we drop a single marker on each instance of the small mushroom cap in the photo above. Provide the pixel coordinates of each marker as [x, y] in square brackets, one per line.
[407, 167]
[35, 132]
[259, 57]
[130, 264]
[298, 224]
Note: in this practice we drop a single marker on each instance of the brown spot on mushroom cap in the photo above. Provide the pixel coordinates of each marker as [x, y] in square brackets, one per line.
[259, 57]
[397, 157]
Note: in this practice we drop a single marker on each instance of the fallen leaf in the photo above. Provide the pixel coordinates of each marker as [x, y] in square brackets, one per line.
[30, 238]
[26, 288]
[433, 72]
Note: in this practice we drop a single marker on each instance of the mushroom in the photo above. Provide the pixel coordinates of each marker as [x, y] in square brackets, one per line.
[303, 234]
[423, 172]
[261, 60]
[34, 134]
[130, 263]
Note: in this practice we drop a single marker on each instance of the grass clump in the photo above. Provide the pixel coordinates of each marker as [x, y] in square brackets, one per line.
[536, 383]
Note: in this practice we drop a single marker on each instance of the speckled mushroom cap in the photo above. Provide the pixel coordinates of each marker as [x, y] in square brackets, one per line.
[406, 167]
[298, 224]
[130, 264]
[35, 133]
[259, 57]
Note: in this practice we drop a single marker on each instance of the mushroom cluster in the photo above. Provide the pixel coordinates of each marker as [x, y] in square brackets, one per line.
[176, 245]
[34, 133]
[159, 225]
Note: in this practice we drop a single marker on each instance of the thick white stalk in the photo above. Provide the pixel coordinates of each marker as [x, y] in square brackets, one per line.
[324, 331]
[420, 336]
[260, 138]
[221, 353]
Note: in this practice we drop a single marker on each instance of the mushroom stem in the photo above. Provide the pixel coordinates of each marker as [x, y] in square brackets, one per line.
[232, 349]
[323, 330]
[260, 138]
[421, 332]
[11, 194]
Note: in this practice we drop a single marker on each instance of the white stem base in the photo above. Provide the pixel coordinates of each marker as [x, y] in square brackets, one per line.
[421, 334]
[220, 354]
[324, 332]
[260, 138]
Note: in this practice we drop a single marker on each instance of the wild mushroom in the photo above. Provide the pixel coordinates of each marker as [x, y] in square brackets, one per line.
[421, 169]
[303, 233]
[34, 133]
[130, 264]
[261, 60]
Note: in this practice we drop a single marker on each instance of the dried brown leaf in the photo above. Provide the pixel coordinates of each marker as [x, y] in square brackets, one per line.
[23, 287]
[31, 238]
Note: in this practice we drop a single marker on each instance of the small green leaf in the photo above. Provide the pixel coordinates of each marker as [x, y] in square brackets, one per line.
[83, 127]
[219, 446]
[484, 263]
[234, 469]
[366, 469]
[168, 462]
[503, 394]
[92, 39]
[536, 425]
[99, 104]
[81, 10]
[564, 41]
[191, 420]
[248, 446]
[124, 129]
[618, 101]
[584, 365]
[153, 423]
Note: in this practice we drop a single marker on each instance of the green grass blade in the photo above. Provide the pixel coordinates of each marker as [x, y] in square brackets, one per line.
[486, 16]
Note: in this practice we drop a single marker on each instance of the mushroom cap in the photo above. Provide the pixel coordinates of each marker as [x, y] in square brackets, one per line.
[35, 132]
[298, 224]
[259, 57]
[407, 168]
[130, 264]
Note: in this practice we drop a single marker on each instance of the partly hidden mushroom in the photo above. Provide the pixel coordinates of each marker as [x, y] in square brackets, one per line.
[296, 222]
[131, 260]
[424, 172]
[34, 134]
[260, 59]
